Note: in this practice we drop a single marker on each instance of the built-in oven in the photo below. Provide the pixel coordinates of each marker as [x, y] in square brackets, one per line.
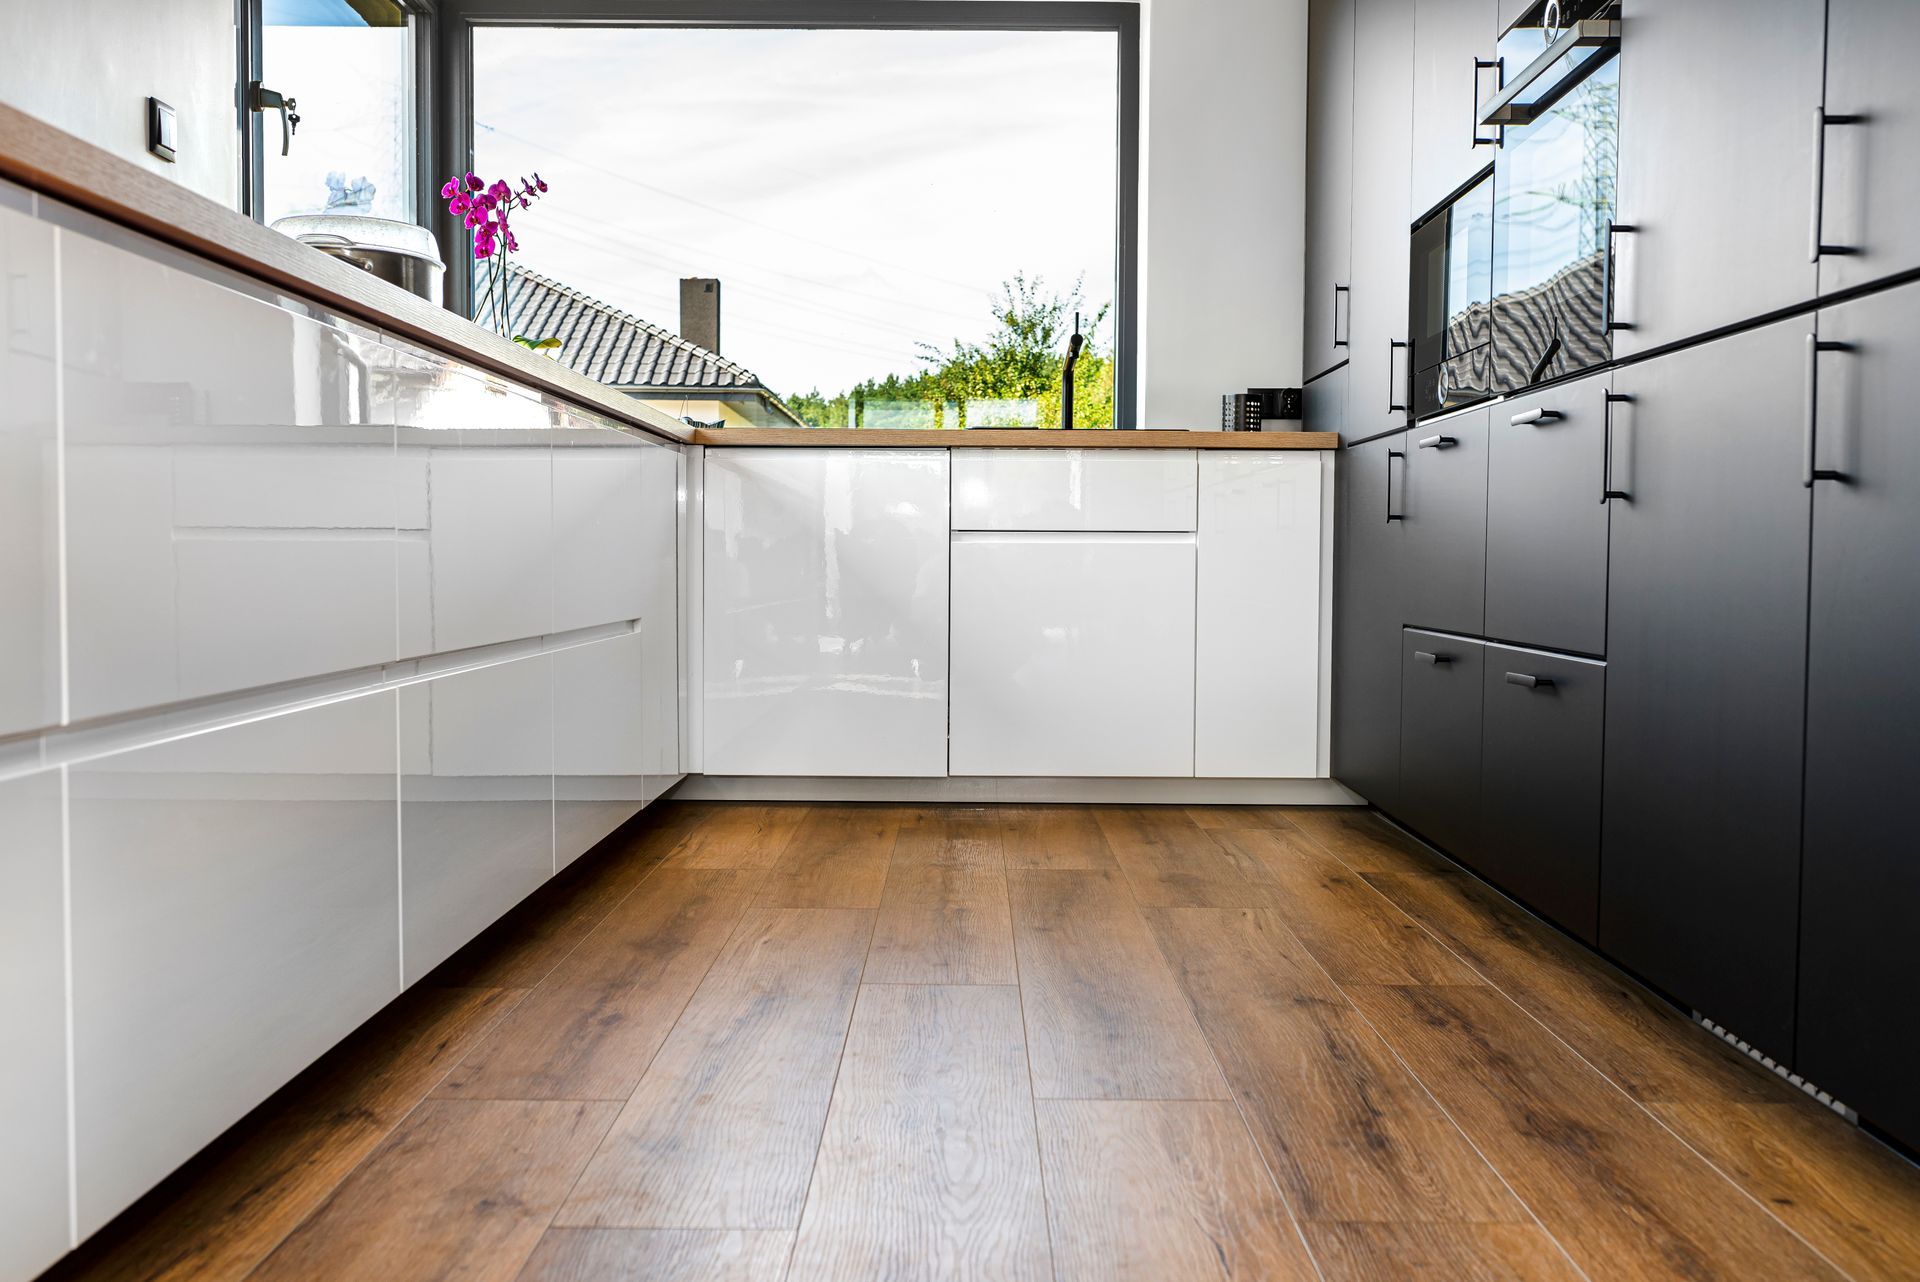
[1450, 302]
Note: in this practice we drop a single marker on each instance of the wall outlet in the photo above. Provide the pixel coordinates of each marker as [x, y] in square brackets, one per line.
[162, 130]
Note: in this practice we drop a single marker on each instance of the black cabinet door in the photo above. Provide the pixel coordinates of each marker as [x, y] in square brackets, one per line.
[1446, 522]
[1449, 37]
[1540, 783]
[1329, 182]
[1546, 521]
[1366, 627]
[1859, 944]
[1716, 164]
[1440, 701]
[1706, 674]
[1382, 237]
[1872, 171]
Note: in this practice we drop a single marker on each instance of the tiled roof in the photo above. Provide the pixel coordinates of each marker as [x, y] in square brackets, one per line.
[609, 345]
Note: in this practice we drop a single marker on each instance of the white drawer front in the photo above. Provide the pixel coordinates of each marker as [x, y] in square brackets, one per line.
[1054, 489]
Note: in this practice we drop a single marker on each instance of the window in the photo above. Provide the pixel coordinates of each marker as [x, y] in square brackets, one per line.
[846, 226]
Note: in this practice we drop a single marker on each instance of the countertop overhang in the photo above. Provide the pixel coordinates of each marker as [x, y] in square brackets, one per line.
[1010, 438]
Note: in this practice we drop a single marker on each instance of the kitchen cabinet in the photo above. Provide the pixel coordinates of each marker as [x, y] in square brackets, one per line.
[1546, 521]
[33, 1072]
[1368, 612]
[1451, 39]
[1382, 168]
[234, 914]
[29, 472]
[1440, 710]
[1073, 653]
[600, 741]
[1706, 676]
[1330, 29]
[1860, 887]
[1092, 489]
[1540, 783]
[1443, 508]
[1259, 624]
[826, 612]
[1704, 251]
[1871, 185]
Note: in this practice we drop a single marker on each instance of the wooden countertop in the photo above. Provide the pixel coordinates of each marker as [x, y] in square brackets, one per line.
[975, 438]
[54, 163]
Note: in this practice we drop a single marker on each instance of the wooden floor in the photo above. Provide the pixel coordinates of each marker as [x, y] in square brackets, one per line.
[860, 1042]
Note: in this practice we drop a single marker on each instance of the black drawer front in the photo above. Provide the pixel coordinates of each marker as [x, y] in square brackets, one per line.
[1540, 783]
[1440, 738]
[1446, 523]
[1546, 523]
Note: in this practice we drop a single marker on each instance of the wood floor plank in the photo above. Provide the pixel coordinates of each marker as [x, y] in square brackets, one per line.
[589, 1030]
[951, 837]
[1636, 1039]
[1455, 1252]
[659, 1255]
[1215, 818]
[463, 1189]
[929, 1168]
[1171, 862]
[942, 924]
[1365, 842]
[836, 858]
[737, 834]
[1613, 1186]
[1854, 1200]
[723, 1129]
[1161, 1191]
[1104, 1018]
[1058, 838]
[1358, 934]
[1345, 1127]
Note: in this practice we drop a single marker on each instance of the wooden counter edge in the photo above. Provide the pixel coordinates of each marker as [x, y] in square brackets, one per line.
[975, 438]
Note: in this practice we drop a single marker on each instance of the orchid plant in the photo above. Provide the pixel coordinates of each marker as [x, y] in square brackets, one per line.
[483, 209]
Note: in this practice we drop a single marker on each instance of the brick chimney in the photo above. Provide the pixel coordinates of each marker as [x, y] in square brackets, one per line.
[700, 312]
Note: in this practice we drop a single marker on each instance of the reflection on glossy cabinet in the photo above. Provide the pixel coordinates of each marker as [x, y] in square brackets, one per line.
[602, 767]
[29, 498]
[33, 1072]
[490, 539]
[212, 878]
[826, 612]
[476, 802]
[1258, 625]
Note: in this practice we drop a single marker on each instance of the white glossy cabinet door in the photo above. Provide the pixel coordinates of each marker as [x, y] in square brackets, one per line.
[1258, 634]
[1073, 654]
[33, 1071]
[826, 612]
[600, 742]
[234, 915]
[29, 472]
[1061, 489]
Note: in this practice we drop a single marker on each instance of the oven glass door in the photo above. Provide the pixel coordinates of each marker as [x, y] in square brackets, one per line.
[1450, 296]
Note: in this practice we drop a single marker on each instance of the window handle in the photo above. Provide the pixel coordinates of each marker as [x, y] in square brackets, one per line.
[261, 98]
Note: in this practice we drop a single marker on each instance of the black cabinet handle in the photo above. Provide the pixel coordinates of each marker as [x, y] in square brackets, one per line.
[1810, 413]
[1393, 384]
[1391, 456]
[1499, 138]
[1534, 417]
[1338, 290]
[1815, 249]
[1530, 681]
[1431, 659]
[1606, 452]
[1607, 295]
[1438, 442]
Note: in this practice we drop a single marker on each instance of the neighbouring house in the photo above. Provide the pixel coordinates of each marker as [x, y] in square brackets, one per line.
[671, 373]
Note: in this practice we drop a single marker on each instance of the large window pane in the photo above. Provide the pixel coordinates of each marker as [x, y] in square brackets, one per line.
[901, 224]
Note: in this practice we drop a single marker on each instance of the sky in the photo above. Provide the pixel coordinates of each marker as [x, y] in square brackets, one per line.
[856, 192]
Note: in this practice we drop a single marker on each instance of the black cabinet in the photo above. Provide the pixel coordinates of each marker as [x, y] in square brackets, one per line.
[1546, 519]
[1440, 701]
[1706, 665]
[1871, 183]
[1453, 72]
[1367, 608]
[1540, 783]
[1328, 322]
[1716, 162]
[1860, 911]
[1446, 522]
[1382, 239]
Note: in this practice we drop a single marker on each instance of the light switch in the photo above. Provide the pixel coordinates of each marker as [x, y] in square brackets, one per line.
[160, 129]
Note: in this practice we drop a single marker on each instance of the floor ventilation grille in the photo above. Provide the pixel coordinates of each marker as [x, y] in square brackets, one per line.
[1780, 1070]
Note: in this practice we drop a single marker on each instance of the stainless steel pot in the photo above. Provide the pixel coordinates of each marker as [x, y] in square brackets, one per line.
[398, 252]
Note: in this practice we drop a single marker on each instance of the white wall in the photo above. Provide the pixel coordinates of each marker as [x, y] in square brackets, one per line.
[88, 66]
[1224, 215]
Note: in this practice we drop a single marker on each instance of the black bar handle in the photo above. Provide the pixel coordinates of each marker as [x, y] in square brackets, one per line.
[1438, 442]
[1530, 681]
[1431, 659]
[1534, 417]
[1816, 248]
[1393, 384]
[1809, 473]
[1391, 456]
[1607, 293]
[1499, 138]
[1337, 291]
[1606, 451]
